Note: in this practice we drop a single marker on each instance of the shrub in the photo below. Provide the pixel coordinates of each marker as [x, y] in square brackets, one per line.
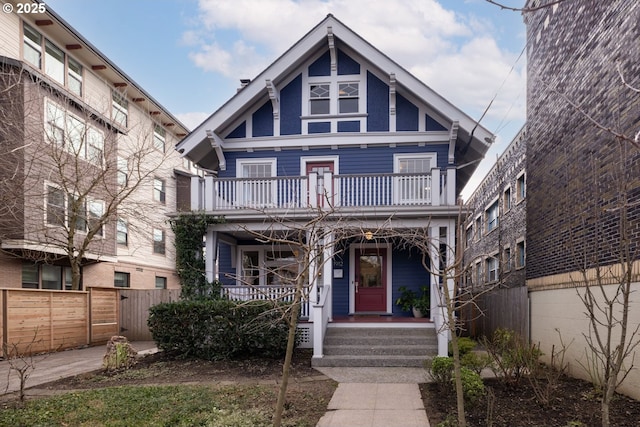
[512, 356]
[476, 361]
[219, 329]
[465, 345]
[441, 371]
[472, 385]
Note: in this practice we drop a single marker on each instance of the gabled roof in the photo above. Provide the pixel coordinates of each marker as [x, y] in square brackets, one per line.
[473, 140]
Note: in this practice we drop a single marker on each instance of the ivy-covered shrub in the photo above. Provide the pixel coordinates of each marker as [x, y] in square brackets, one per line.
[189, 230]
[219, 329]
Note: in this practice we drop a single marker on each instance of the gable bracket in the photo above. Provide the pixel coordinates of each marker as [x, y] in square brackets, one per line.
[392, 94]
[217, 143]
[332, 49]
[274, 95]
[453, 137]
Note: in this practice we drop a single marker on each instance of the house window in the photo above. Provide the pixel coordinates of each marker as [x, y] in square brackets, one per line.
[51, 277]
[520, 254]
[123, 172]
[506, 259]
[159, 193]
[119, 109]
[491, 215]
[521, 190]
[159, 136]
[122, 232]
[414, 185]
[121, 280]
[161, 282]
[74, 76]
[32, 47]
[30, 275]
[95, 146]
[320, 98]
[66, 130]
[478, 273]
[348, 97]
[469, 235]
[257, 190]
[506, 199]
[76, 213]
[158, 241]
[96, 217]
[492, 269]
[478, 227]
[250, 268]
[55, 206]
[281, 267]
[54, 62]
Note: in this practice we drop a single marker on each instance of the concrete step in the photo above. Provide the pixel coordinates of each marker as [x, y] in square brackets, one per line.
[377, 347]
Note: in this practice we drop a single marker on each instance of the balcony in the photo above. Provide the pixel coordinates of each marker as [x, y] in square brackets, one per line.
[342, 192]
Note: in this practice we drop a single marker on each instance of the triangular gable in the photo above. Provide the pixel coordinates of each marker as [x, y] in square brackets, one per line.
[472, 140]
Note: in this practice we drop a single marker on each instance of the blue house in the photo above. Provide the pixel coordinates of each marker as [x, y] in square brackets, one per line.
[333, 124]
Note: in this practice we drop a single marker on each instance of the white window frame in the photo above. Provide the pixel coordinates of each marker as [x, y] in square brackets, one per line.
[416, 181]
[122, 227]
[246, 190]
[164, 241]
[159, 138]
[493, 268]
[160, 194]
[90, 205]
[119, 106]
[492, 215]
[263, 264]
[46, 204]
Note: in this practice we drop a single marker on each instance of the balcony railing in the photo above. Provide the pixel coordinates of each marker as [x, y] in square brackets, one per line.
[361, 190]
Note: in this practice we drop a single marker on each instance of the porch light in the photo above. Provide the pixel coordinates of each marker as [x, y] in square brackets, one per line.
[368, 235]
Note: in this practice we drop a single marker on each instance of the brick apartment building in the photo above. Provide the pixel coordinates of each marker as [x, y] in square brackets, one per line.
[70, 115]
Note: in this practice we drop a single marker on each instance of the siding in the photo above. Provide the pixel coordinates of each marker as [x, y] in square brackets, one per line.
[10, 35]
[407, 271]
[263, 120]
[377, 104]
[291, 108]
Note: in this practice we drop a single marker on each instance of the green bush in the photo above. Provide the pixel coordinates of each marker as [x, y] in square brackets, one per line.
[465, 345]
[476, 361]
[219, 329]
[472, 385]
[512, 357]
[441, 371]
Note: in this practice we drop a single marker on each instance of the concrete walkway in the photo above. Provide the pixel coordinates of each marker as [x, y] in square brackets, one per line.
[375, 397]
[371, 397]
[62, 364]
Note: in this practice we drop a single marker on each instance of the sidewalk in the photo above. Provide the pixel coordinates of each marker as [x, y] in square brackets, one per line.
[62, 364]
[375, 397]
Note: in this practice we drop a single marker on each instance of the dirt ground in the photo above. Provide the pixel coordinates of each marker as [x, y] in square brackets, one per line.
[574, 403]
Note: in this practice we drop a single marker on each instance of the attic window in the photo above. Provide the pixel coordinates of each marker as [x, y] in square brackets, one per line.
[348, 97]
[319, 98]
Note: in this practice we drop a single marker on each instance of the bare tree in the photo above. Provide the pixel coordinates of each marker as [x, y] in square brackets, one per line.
[67, 171]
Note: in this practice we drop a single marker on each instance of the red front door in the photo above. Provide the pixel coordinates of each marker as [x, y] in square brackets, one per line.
[371, 283]
[320, 168]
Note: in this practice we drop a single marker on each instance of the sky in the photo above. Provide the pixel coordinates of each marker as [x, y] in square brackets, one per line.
[191, 54]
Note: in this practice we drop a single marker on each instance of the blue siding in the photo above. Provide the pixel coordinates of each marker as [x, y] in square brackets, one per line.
[378, 159]
[263, 120]
[407, 271]
[406, 114]
[321, 66]
[377, 104]
[433, 125]
[291, 108]
[346, 65]
[239, 132]
[226, 270]
[340, 287]
[349, 126]
[319, 127]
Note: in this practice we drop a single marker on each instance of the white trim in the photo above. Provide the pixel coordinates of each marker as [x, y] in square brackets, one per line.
[352, 273]
[311, 159]
[433, 157]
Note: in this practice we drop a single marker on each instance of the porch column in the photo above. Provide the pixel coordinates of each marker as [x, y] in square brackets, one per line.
[327, 274]
[211, 254]
[196, 193]
[451, 187]
[313, 190]
[435, 187]
[438, 305]
[209, 193]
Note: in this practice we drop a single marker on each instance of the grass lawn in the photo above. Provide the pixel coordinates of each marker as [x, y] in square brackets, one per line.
[168, 405]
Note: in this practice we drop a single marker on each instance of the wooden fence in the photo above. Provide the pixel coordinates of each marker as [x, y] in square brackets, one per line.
[134, 310]
[36, 321]
[500, 308]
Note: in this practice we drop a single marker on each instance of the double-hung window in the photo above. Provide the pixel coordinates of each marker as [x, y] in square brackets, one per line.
[159, 190]
[55, 206]
[122, 232]
[159, 138]
[492, 216]
[320, 98]
[348, 97]
[257, 188]
[413, 184]
[96, 217]
[54, 60]
[492, 268]
[119, 109]
[158, 241]
[32, 47]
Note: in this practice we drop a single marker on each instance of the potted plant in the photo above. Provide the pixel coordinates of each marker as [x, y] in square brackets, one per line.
[410, 301]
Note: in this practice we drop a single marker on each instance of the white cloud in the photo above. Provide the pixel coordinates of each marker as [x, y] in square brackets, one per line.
[192, 120]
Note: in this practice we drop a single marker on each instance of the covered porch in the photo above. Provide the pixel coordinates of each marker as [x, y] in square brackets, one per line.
[349, 282]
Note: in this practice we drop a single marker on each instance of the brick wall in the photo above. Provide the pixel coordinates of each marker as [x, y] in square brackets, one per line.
[576, 171]
[511, 226]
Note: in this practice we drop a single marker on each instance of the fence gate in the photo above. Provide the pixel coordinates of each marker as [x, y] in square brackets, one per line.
[134, 310]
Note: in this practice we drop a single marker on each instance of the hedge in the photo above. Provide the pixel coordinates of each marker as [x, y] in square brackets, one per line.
[219, 329]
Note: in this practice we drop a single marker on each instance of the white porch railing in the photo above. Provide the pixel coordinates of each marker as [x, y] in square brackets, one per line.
[264, 293]
[356, 190]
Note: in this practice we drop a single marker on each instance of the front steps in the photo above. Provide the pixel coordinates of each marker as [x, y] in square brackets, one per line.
[377, 346]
